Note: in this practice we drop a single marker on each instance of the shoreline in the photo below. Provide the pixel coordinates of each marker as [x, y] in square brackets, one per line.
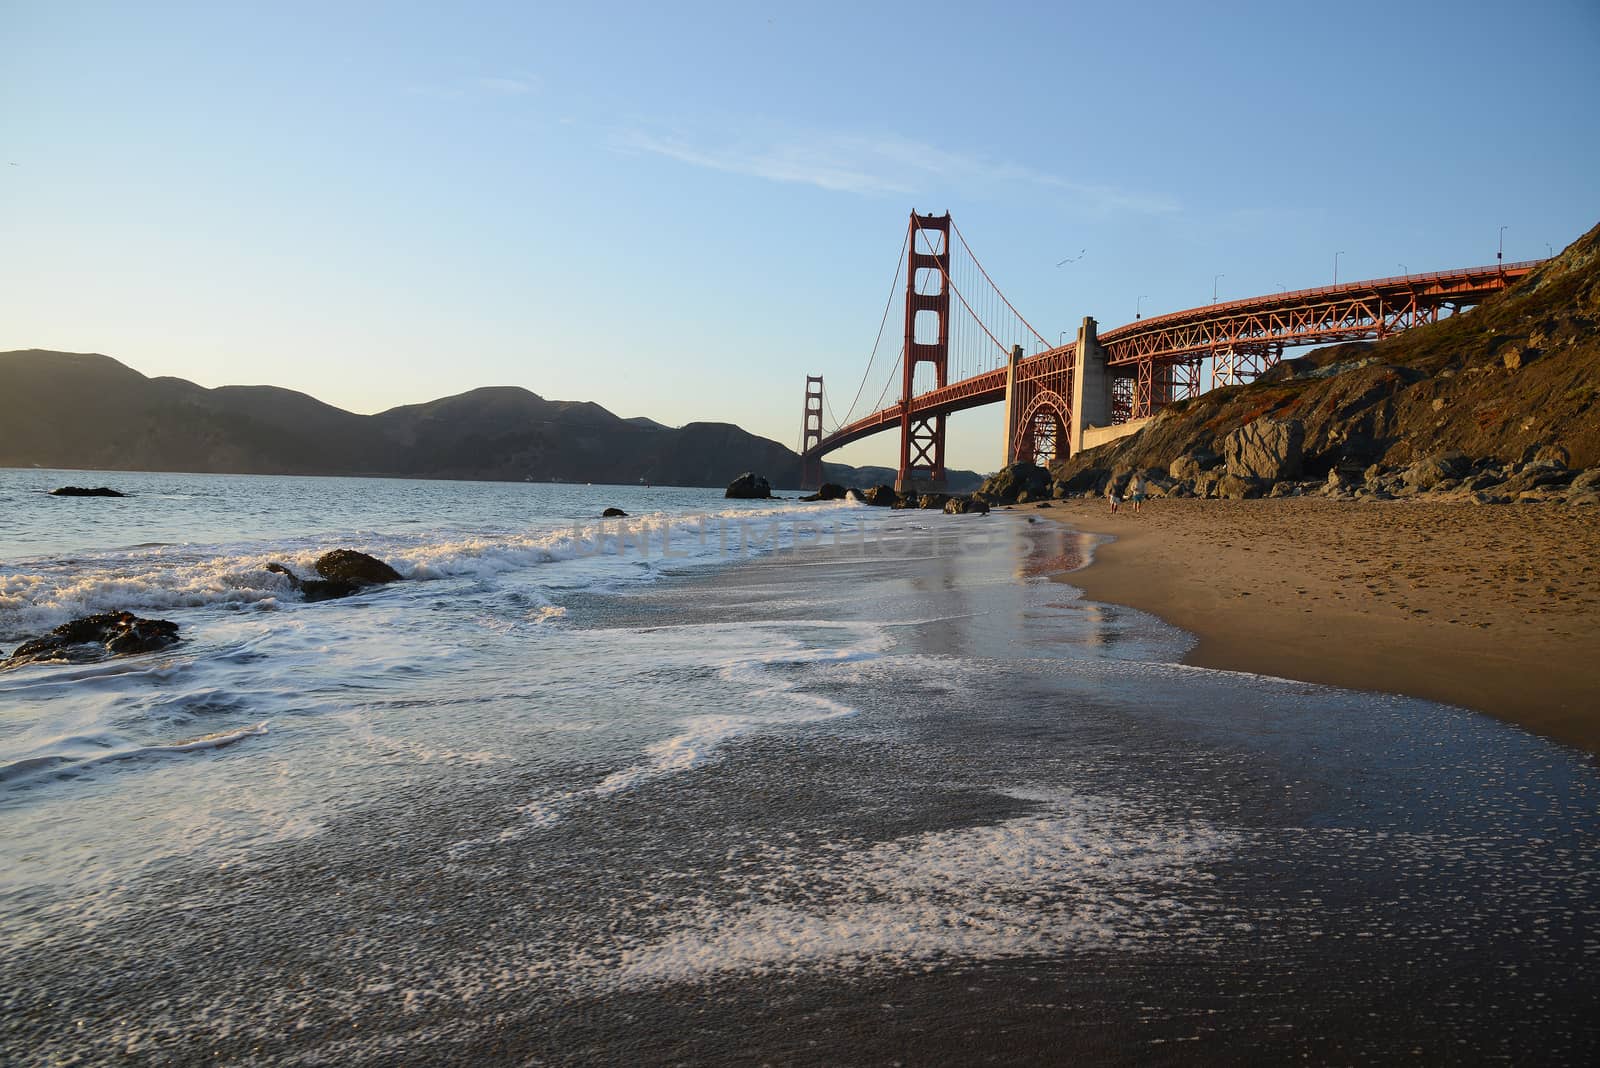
[1492, 609]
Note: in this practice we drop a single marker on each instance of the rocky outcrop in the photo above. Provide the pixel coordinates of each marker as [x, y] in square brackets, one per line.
[830, 491]
[1190, 465]
[1266, 450]
[881, 496]
[613, 513]
[973, 505]
[80, 491]
[1237, 487]
[348, 565]
[315, 589]
[749, 487]
[1429, 471]
[343, 571]
[1017, 482]
[95, 638]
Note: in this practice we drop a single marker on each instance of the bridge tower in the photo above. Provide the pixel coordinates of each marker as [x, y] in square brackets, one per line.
[811, 435]
[927, 301]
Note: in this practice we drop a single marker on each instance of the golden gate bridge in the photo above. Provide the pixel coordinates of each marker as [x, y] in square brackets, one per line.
[963, 345]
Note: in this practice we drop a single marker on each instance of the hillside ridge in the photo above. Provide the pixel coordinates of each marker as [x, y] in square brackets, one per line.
[90, 411]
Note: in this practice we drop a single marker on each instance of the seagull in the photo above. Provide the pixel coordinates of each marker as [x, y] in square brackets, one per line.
[1073, 259]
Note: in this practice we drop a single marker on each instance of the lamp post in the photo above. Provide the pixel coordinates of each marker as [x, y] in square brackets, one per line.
[1404, 269]
[1061, 339]
[1145, 296]
[1550, 250]
[1336, 256]
[1500, 253]
[1214, 286]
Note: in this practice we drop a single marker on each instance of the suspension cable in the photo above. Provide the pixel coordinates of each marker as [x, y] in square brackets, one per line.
[900, 260]
[963, 299]
[996, 288]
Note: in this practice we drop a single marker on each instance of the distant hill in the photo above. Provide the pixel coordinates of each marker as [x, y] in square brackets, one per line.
[1517, 373]
[77, 410]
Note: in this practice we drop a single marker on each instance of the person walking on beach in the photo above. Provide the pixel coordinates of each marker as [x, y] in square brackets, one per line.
[1136, 491]
[1111, 495]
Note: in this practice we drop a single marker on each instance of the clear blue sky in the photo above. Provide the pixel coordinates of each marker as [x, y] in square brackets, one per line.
[680, 210]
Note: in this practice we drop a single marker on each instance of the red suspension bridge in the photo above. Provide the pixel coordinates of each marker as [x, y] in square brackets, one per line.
[964, 345]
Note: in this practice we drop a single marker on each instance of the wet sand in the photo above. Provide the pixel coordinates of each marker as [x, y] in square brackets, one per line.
[1490, 608]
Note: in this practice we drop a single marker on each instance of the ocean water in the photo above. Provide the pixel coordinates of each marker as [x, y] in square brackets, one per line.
[730, 782]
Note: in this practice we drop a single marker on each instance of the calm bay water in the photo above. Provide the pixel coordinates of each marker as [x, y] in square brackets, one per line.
[730, 782]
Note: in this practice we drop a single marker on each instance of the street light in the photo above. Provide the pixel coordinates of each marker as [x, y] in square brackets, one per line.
[1500, 254]
[1550, 250]
[1062, 339]
[1214, 286]
[1404, 269]
[1336, 256]
[1145, 296]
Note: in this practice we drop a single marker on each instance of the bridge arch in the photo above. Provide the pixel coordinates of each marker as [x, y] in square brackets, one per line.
[1044, 429]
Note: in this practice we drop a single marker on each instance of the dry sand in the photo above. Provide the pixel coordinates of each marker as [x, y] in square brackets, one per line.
[1495, 608]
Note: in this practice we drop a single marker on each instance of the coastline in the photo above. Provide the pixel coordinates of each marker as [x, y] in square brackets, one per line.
[1492, 609]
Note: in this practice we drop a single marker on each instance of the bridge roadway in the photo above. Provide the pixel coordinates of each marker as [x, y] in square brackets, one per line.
[1347, 312]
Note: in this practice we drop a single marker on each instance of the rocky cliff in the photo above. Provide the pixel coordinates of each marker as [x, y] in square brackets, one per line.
[1508, 384]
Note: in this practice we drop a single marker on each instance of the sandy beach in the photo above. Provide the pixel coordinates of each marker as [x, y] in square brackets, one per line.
[1491, 608]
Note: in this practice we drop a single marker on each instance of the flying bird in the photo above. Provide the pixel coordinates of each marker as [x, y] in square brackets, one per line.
[1073, 259]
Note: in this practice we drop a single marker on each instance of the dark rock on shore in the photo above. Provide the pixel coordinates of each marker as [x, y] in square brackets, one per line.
[1012, 483]
[830, 491]
[343, 571]
[973, 505]
[348, 565]
[749, 487]
[613, 513]
[315, 589]
[881, 496]
[95, 638]
[80, 491]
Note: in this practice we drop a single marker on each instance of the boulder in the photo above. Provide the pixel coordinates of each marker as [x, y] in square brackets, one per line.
[1488, 477]
[613, 513]
[315, 589]
[1044, 504]
[1554, 455]
[882, 496]
[830, 491]
[974, 505]
[749, 487]
[1519, 356]
[933, 500]
[1586, 482]
[1428, 472]
[1267, 449]
[903, 501]
[347, 565]
[1237, 487]
[1191, 464]
[95, 638]
[80, 491]
[1008, 483]
[1089, 481]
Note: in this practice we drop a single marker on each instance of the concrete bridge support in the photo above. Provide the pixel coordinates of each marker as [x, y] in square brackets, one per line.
[1091, 385]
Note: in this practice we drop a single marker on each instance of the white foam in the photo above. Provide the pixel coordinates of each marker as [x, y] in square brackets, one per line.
[775, 702]
[42, 595]
[1087, 871]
